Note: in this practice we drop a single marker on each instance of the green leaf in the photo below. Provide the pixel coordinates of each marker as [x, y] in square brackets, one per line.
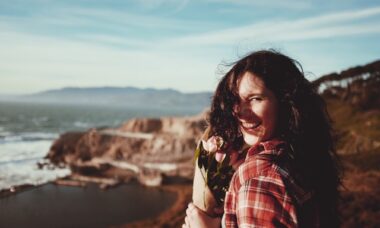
[196, 154]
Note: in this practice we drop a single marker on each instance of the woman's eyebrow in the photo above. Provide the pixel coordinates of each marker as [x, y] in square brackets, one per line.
[256, 94]
[252, 94]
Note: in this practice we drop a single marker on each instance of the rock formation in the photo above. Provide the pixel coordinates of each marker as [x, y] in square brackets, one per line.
[147, 149]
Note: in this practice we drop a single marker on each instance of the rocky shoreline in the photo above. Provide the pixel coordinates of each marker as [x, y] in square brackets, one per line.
[155, 152]
[151, 151]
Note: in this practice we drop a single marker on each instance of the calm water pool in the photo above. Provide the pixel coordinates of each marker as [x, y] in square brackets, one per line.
[63, 206]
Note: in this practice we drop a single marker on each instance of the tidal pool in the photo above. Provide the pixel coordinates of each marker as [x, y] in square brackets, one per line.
[63, 206]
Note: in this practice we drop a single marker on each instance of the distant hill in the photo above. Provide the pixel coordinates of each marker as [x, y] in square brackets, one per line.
[357, 86]
[353, 101]
[121, 96]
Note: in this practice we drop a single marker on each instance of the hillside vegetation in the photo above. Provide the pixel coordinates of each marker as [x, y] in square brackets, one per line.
[353, 102]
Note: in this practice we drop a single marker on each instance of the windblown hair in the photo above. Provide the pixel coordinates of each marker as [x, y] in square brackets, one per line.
[303, 122]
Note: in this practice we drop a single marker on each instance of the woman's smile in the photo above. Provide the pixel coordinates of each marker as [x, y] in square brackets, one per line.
[256, 111]
[249, 126]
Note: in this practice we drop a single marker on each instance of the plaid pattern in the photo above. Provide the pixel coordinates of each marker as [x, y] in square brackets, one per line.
[261, 192]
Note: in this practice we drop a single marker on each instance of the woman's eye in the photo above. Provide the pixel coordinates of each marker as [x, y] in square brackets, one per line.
[256, 99]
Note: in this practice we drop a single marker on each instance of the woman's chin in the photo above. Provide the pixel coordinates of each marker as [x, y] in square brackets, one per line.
[251, 140]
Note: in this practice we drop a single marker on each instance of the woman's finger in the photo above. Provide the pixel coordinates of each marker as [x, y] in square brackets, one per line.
[195, 211]
[188, 211]
[187, 222]
[193, 208]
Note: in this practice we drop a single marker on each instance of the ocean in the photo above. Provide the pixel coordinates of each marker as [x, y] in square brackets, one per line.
[27, 130]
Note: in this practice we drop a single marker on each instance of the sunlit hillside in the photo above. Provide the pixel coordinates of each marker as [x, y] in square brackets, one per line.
[353, 101]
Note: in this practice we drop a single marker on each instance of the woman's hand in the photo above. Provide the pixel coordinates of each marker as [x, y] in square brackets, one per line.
[196, 218]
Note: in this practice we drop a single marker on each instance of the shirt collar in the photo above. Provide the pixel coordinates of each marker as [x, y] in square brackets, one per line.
[274, 147]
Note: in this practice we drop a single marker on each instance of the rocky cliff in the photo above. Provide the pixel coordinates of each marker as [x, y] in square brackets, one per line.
[151, 150]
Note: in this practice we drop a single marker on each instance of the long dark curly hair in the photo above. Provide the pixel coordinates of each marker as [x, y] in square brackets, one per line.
[303, 122]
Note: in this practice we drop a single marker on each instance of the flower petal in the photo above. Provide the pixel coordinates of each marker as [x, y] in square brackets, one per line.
[204, 145]
[211, 144]
[219, 156]
[212, 148]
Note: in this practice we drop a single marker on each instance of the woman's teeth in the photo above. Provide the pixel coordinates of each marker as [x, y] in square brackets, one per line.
[250, 125]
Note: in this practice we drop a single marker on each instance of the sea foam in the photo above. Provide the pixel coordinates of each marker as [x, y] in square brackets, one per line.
[18, 163]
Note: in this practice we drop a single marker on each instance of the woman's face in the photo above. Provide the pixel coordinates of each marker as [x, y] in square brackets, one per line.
[256, 111]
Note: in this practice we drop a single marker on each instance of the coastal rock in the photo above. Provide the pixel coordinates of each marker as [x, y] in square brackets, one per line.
[149, 148]
[142, 125]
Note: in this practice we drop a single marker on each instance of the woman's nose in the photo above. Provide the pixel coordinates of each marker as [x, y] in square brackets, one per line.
[243, 110]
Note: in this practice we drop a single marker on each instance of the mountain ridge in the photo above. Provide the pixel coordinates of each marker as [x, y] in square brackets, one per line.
[116, 96]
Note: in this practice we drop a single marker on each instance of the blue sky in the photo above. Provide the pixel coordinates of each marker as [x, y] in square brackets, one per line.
[180, 44]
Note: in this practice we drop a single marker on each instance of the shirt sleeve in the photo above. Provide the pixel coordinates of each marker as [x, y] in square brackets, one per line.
[264, 202]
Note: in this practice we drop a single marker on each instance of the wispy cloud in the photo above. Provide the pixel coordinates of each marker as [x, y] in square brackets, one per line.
[125, 29]
[113, 27]
[177, 5]
[284, 4]
[330, 25]
[127, 19]
[74, 45]
[101, 21]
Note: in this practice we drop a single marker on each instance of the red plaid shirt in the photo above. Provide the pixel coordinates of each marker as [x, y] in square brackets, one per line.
[263, 194]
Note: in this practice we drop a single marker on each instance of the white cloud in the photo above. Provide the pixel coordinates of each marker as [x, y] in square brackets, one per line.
[177, 5]
[124, 18]
[99, 20]
[330, 25]
[332, 31]
[284, 4]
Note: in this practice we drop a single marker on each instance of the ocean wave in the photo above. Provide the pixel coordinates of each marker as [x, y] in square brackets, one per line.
[27, 173]
[16, 151]
[8, 137]
[18, 163]
[81, 124]
[38, 121]
[4, 133]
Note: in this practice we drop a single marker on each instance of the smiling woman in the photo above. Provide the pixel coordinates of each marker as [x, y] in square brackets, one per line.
[288, 177]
